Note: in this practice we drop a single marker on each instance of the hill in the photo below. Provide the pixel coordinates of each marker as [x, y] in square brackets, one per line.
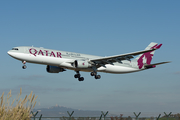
[60, 111]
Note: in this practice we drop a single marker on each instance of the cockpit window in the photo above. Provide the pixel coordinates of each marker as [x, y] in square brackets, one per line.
[14, 48]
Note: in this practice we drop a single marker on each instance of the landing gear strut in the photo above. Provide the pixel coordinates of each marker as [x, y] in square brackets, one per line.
[78, 75]
[24, 66]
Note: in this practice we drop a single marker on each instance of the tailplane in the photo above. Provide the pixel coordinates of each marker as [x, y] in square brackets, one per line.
[146, 58]
[154, 65]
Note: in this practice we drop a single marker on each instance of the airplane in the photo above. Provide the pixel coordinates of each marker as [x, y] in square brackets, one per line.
[58, 61]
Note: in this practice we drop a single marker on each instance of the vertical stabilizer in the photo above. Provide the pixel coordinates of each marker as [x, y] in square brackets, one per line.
[146, 58]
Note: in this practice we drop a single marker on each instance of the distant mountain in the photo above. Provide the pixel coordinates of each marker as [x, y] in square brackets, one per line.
[60, 111]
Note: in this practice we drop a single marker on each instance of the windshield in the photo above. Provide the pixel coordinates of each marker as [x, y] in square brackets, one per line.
[14, 48]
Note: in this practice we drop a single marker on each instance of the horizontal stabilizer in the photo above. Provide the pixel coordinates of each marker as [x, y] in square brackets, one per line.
[154, 65]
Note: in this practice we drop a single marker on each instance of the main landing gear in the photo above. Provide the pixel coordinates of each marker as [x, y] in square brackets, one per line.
[78, 75]
[95, 75]
[24, 66]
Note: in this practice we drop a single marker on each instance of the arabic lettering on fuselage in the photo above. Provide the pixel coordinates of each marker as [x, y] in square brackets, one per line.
[44, 53]
[73, 54]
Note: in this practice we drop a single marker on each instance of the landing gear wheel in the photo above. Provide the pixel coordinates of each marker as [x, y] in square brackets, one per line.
[81, 79]
[93, 73]
[24, 66]
[97, 76]
[77, 75]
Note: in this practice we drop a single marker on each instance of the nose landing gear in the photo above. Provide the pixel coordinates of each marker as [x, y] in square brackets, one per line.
[24, 66]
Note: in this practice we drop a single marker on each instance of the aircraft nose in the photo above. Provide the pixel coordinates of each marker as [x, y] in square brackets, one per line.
[9, 52]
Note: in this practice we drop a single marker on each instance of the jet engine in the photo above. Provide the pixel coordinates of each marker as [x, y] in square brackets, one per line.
[54, 69]
[81, 64]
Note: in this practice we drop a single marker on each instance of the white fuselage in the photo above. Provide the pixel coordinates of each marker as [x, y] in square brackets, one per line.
[65, 60]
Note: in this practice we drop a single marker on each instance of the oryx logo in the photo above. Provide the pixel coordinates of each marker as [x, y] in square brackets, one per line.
[147, 57]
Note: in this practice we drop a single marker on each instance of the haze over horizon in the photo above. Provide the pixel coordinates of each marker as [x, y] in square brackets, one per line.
[102, 28]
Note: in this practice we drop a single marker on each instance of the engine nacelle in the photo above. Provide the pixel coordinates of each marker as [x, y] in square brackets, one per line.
[81, 64]
[54, 69]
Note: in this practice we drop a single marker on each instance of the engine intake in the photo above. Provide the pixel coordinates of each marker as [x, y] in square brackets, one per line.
[81, 64]
[54, 69]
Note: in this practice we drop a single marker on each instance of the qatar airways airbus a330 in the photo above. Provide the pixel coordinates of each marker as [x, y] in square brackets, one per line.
[58, 61]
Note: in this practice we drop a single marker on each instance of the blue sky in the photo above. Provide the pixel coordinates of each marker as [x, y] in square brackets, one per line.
[101, 28]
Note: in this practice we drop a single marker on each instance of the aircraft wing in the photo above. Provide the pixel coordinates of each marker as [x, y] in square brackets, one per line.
[118, 58]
